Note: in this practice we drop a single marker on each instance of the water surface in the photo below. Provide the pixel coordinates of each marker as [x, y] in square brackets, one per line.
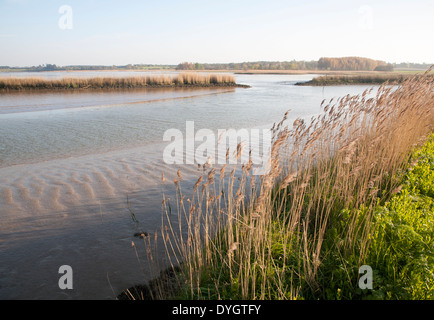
[68, 162]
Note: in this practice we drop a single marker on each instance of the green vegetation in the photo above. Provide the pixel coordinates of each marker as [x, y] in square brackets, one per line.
[339, 195]
[402, 245]
[401, 242]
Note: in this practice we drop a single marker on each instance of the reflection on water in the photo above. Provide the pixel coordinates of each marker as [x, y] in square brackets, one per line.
[68, 160]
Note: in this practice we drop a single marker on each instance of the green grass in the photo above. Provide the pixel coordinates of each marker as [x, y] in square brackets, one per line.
[401, 244]
[402, 248]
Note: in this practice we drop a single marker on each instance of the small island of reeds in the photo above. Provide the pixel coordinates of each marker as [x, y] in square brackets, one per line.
[344, 79]
[190, 80]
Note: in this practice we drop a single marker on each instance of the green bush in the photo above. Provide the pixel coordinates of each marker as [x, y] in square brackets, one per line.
[402, 244]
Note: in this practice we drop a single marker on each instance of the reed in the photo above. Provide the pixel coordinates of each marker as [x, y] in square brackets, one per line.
[332, 80]
[181, 80]
[302, 230]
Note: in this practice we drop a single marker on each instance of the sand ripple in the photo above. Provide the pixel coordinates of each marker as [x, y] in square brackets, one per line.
[60, 186]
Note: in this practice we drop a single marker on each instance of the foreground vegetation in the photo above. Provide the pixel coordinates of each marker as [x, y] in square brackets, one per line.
[345, 189]
[181, 80]
[402, 244]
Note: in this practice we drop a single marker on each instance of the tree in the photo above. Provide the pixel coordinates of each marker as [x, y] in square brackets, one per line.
[349, 63]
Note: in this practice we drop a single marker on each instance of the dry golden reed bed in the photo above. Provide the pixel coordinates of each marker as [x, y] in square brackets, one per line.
[181, 80]
[292, 232]
[354, 79]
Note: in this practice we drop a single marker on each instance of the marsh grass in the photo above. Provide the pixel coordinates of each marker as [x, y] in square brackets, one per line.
[302, 230]
[330, 80]
[181, 80]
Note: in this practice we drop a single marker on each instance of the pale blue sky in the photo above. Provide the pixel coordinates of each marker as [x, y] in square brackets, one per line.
[170, 32]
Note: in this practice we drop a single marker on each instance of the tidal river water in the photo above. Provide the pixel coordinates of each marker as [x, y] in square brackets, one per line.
[74, 165]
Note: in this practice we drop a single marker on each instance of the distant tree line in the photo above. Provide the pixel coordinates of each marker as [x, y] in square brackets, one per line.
[257, 65]
[122, 67]
[409, 65]
[353, 63]
[345, 63]
[45, 67]
[53, 67]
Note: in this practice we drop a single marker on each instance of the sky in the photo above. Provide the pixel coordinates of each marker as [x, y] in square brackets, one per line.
[114, 32]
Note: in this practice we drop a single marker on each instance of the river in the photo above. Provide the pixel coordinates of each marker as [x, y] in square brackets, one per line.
[70, 160]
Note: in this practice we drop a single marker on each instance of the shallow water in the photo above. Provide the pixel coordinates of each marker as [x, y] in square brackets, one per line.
[68, 162]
